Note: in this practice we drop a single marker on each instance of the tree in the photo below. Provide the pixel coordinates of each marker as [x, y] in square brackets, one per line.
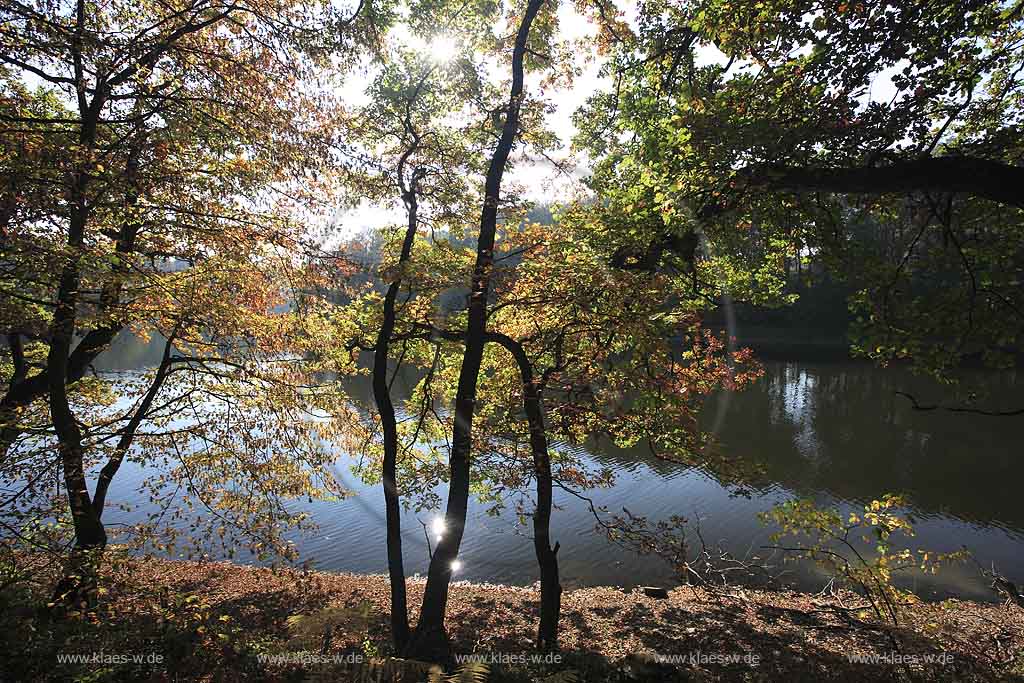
[427, 323]
[152, 179]
[424, 128]
[429, 641]
[756, 128]
[597, 352]
[429, 165]
[575, 348]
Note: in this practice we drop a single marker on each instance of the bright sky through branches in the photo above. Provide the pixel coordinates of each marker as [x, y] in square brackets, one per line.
[541, 181]
[439, 48]
[443, 48]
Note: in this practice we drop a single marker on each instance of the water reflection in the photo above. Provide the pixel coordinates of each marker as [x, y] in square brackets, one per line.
[834, 432]
[841, 430]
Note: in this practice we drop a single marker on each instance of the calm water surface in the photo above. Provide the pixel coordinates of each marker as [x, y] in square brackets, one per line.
[835, 432]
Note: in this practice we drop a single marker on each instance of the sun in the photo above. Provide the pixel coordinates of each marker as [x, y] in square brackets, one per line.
[439, 47]
[443, 48]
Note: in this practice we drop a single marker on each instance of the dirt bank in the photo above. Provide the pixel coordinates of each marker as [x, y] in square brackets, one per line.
[221, 621]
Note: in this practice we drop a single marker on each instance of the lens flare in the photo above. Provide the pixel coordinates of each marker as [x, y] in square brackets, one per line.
[437, 526]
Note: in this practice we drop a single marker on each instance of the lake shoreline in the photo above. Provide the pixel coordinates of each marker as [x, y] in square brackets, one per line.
[729, 634]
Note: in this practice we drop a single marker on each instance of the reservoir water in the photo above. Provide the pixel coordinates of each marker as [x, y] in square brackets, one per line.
[835, 432]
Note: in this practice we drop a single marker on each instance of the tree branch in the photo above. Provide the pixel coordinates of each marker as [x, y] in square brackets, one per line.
[982, 178]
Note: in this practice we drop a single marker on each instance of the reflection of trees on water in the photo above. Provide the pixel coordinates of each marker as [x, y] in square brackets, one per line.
[129, 352]
[841, 429]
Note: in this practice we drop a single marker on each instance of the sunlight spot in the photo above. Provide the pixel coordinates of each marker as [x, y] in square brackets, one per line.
[443, 48]
[437, 526]
[438, 48]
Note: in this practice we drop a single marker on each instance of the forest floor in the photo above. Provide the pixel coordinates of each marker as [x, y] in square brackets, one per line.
[163, 620]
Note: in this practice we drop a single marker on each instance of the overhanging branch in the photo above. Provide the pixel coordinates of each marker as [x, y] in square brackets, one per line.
[992, 180]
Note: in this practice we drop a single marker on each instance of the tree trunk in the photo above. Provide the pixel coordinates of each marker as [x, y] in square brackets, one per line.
[78, 589]
[79, 583]
[547, 556]
[389, 430]
[21, 390]
[430, 640]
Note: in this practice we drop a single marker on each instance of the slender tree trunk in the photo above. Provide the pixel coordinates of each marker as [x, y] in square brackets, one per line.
[430, 640]
[389, 429]
[547, 556]
[9, 414]
[22, 390]
[77, 588]
[99, 497]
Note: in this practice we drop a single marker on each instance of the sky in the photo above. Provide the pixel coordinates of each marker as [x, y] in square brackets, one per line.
[540, 181]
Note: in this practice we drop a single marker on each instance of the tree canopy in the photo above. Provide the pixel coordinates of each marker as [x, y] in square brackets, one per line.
[881, 138]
